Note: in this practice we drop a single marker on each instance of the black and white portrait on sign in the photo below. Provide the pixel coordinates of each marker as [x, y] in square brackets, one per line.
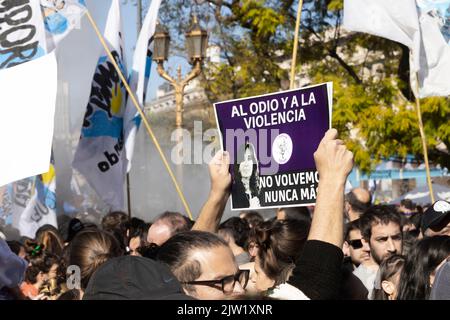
[246, 188]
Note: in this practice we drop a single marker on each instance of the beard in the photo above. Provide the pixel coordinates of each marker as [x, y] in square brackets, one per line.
[378, 258]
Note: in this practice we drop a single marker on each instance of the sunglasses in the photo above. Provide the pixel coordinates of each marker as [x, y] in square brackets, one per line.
[356, 244]
[227, 283]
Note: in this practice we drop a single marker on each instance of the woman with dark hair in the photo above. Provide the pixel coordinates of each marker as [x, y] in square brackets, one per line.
[89, 250]
[279, 245]
[43, 267]
[246, 179]
[420, 267]
[386, 286]
[137, 235]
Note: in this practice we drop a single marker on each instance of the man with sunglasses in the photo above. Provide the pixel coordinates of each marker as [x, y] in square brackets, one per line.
[354, 248]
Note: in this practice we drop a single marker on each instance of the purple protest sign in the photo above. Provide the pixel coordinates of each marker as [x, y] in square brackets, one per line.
[271, 140]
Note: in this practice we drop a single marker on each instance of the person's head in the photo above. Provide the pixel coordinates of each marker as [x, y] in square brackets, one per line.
[420, 267]
[253, 218]
[137, 235]
[381, 229]
[407, 207]
[357, 201]
[295, 213]
[90, 249]
[50, 237]
[204, 265]
[280, 244]
[75, 226]
[235, 231]
[165, 226]
[436, 219]
[42, 266]
[248, 161]
[246, 169]
[114, 220]
[388, 280]
[17, 248]
[116, 223]
[354, 246]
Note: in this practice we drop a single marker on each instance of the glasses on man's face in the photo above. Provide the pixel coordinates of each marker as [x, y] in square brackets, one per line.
[226, 284]
[356, 244]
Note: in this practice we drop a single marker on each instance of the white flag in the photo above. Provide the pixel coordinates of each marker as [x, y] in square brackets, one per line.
[100, 156]
[396, 20]
[139, 77]
[27, 110]
[20, 194]
[422, 25]
[41, 208]
[22, 33]
[434, 72]
[60, 17]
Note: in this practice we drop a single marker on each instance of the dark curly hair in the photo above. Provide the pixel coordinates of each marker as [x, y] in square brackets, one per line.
[237, 228]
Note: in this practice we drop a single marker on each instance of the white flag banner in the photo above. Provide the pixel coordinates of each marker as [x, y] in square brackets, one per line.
[41, 209]
[140, 74]
[60, 17]
[434, 72]
[22, 33]
[422, 25]
[27, 110]
[21, 196]
[100, 156]
[396, 20]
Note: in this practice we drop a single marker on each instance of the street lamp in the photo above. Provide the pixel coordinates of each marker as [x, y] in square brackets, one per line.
[196, 44]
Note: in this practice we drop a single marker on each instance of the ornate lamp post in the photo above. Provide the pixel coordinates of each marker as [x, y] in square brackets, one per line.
[196, 44]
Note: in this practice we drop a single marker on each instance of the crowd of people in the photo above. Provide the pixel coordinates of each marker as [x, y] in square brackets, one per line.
[343, 248]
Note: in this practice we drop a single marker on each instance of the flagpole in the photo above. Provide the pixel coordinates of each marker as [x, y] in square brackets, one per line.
[128, 195]
[424, 141]
[294, 52]
[139, 27]
[141, 113]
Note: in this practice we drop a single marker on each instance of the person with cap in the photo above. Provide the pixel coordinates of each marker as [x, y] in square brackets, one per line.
[436, 219]
[134, 278]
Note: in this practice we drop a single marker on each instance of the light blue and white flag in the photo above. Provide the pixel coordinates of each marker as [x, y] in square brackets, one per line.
[100, 155]
[22, 33]
[140, 74]
[41, 208]
[60, 17]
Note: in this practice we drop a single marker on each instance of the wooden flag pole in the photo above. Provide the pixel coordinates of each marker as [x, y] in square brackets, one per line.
[144, 119]
[424, 141]
[294, 52]
[128, 195]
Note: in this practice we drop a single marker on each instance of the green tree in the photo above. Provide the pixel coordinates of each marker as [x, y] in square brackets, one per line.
[374, 109]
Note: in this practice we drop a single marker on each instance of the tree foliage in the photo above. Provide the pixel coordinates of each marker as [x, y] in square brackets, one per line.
[374, 109]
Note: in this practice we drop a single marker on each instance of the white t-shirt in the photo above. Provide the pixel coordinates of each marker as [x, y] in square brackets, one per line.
[286, 291]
